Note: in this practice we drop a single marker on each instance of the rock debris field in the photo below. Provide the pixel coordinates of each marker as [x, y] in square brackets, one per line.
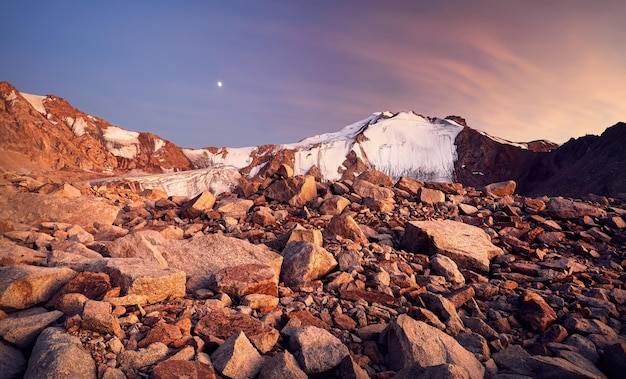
[290, 277]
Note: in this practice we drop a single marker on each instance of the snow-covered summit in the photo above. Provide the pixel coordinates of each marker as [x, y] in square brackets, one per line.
[399, 144]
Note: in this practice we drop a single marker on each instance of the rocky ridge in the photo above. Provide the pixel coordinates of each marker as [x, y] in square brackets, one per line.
[287, 276]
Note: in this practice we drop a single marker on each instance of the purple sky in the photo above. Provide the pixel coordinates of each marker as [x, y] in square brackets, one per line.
[520, 70]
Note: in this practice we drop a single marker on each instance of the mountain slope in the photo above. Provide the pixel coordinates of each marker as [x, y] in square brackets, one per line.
[54, 134]
[47, 132]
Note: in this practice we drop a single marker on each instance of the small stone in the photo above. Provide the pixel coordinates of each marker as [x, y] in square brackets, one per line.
[282, 365]
[132, 360]
[535, 312]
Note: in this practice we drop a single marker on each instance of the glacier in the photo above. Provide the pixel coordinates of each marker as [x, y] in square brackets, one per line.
[398, 144]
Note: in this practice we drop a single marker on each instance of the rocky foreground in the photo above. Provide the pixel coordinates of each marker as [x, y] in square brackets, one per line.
[287, 277]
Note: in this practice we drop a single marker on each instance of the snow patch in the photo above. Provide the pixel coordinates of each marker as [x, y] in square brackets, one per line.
[121, 143]
[35, 101]
[240, 157]
[158, 144]
[10, 97]
[521, 145]
[80, 126]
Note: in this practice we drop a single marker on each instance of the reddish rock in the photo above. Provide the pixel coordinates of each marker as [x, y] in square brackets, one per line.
[177, 369]
[334, 205]
[199, 204]
[345, 322]
[500, 189]
[238, 281]
[535, 313]
[430, 196]
[344, 226]
[376, 177]
[409, 185]
[304, 262]
[222, 325]
[567, 209]
[297, 190]
[161, 332]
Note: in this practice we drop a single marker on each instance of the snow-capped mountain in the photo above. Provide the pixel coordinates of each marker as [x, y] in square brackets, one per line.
[400, 144]
[46, 132]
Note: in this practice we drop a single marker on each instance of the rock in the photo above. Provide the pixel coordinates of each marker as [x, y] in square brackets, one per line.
[134, 359]
[29, 208]
[97, 316]
[161, 332]
[410, 341]
[430, 196]
[24, 286]
[201, 203]
[236, 358]
[334, 205]
[442, 371]
[535, 312]
[514, 360]
[584, 346]
[235, 208]
[366, 189]
[409, 185]
[71, 304]
[297, 190]
[468, 246]
[223, 325]
[474, 343]
[260, 302]
[316, 350]
[467, 209]
[500, 189]
[376, 177]
[568, 209]
[154, 194]
[310, 235]
[613, 360]
[284, 171]
[91, 284]
[66, 190]
[444, 266]
[145, 244]
[176, 369]
[281, 365]
[304, 261]
[263, 216]
[154, 282]
[344, 226]
[212, 253]
[239, 281]
[12, 362]
[22, 328]
[349, 369]
[445, 310]
[581, 362]
[58, 355]
[12, 255]
[555, 367]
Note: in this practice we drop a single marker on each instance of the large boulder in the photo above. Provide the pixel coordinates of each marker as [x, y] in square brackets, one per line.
[155, 283]
[410, 341]
[24, 286]
[305, 261]
[563, 208]
[22, 328]
[12, 362]
[297, 190]
[212, 253]
[59, 355]
[144, 244]
[344, 226]
[30, 208]
[317, 350]
[468, 246]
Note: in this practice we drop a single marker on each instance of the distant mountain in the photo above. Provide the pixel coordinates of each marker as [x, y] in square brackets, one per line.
[52, 133]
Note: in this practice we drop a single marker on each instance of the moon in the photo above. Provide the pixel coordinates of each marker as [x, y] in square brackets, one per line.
[219, 84]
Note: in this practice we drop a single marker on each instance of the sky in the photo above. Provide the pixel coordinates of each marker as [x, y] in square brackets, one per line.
[519, 69]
